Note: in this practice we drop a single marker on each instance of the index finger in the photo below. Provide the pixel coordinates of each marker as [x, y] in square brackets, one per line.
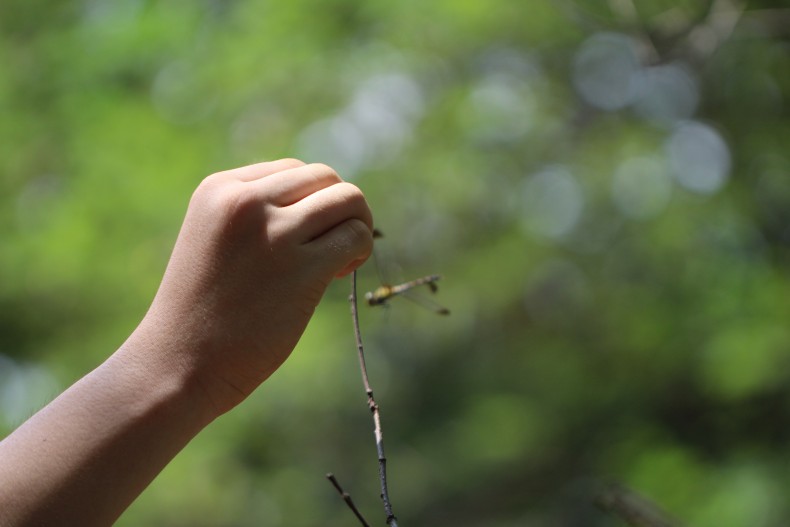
[323, 210]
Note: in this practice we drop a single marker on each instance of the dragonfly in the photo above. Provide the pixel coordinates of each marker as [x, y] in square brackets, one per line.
[383, 293]
[386, 292]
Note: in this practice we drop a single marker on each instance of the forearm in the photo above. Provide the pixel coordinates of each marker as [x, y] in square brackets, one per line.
[87, 455]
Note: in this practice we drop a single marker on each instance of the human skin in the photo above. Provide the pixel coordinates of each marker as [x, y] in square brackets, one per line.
[257, 249]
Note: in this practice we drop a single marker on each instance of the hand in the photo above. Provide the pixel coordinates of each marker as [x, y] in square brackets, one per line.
[257, 250]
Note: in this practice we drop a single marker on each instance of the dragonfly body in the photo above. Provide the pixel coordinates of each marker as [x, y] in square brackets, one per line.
[382, 294]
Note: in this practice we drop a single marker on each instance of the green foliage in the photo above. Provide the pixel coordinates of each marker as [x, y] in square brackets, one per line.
[604, 187]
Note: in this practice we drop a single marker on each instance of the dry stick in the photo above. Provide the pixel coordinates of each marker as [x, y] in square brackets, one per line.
[632, 508]
[374, 408]
[347, 498]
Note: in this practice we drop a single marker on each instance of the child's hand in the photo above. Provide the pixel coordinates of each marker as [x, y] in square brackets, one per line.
[257, 249]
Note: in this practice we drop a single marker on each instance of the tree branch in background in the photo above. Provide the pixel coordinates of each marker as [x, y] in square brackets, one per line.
[347, 498]
[633, 509]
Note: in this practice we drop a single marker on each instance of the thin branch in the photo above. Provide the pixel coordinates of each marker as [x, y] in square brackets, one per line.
[347, 498]
[632, 508]
[374, 408]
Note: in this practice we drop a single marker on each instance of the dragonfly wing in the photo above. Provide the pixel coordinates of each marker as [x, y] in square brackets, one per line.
[381, 259]
[425, 302]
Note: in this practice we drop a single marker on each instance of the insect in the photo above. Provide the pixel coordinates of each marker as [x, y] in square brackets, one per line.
[385, 292]
[382, 294]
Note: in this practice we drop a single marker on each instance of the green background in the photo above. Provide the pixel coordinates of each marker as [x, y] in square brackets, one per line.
[604, 186]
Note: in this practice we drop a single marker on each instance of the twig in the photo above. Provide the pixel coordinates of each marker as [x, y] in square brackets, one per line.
[632, 508]
[347, 498]
[374, 408]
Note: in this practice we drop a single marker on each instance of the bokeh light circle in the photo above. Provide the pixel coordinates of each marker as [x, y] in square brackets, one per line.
[699, 157]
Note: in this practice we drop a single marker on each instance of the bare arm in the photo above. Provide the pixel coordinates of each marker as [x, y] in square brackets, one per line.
[257, 249]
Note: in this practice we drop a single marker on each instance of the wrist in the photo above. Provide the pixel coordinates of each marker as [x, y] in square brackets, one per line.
[154, 365]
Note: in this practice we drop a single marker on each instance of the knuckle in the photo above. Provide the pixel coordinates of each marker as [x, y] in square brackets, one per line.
[217, 194]
[292, 161]
[211, 182]
[321, 170]
[355, 200]
[205, 189]
[351, 192]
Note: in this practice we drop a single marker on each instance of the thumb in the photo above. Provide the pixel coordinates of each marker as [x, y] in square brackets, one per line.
[343, 248]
